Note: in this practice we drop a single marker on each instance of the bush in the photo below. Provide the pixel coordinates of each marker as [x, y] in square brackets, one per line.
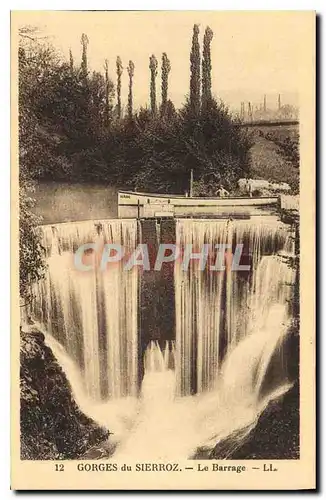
[31, 251]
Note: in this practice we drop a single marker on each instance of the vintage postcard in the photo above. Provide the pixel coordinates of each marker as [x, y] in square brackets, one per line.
[163, 250]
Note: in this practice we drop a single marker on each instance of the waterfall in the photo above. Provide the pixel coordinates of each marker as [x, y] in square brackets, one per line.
[93, 314]
[171, 427]
[157, 360]
[212, 382]
[215, 310]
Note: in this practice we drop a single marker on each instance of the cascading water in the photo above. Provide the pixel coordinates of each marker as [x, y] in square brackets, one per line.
[92, 314]
[208, 384]
[216, 310]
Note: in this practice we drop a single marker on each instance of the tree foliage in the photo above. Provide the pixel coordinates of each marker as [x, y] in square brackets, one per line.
[131, 72]
[63, 115]
[195, 71]
[207, 68]
[153, 65]
[70, 132]
[31, 251]
[119, 75]
[84, 68]
[165, 70]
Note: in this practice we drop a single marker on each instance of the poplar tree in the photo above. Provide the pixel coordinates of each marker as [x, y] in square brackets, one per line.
[71, 61]
[195, 71]
[206, 69]
[153, 64]
[119, 74]
[166, 68]
[131, 71]
[84, 68]
[107, 94]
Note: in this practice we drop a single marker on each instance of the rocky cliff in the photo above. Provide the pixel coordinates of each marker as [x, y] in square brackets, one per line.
[52, 426]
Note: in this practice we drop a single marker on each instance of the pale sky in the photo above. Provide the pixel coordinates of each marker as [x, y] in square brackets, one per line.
[252, 52]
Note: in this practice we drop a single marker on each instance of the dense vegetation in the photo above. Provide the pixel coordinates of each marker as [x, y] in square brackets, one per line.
[288, 146]
[31, 252]
[73, 126]
[275, 155]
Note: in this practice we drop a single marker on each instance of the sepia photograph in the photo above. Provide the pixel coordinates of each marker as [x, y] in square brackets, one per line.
[163, 292]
